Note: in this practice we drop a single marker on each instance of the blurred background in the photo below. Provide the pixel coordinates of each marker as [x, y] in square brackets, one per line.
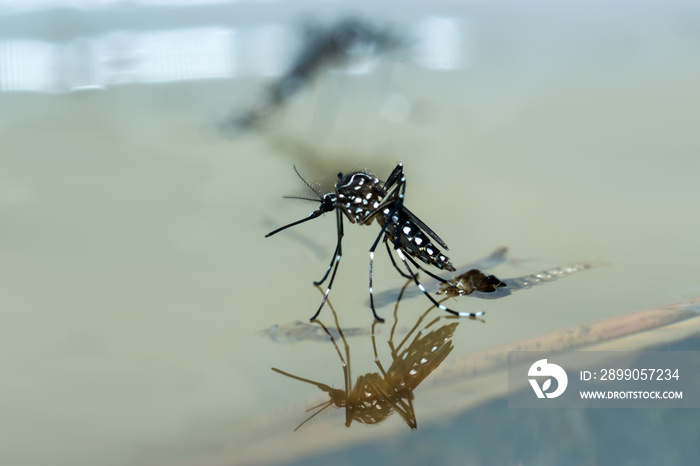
[145, 147]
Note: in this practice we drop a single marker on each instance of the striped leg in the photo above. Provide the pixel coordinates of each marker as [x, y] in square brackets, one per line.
[396, 207]
[339, 226]
[334, 263]
[371, 293]
[432, 300]
[393, 262]
[428, 272]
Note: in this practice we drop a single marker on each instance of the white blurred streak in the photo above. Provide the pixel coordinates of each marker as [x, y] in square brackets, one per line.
[264, 50]
[439, 43]
[364, 66]
[118, 58]
[174, 55]
[182, 55]
[181, 2]
[35, 5]
[27, 65]
[122, 57]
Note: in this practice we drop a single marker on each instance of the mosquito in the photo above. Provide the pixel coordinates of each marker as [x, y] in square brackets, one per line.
[363, 199]
[376, 395]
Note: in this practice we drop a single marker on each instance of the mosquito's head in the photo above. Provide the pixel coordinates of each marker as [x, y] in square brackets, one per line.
[328, 202]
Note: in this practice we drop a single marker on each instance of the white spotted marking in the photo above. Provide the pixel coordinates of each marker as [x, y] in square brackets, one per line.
[407, 230]
[418, 240]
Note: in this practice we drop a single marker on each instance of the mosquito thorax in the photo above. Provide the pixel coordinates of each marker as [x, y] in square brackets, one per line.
[359, 195]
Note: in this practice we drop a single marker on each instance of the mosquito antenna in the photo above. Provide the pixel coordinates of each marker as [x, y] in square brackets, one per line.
[296, 170]
[301, 198]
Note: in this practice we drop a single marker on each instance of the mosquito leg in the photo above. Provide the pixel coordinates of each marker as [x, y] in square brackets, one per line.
[389, 218]
[393, 262]
[371, 260]
[396, 174]
[394, 353]
[376, 354]
[428, 272]
[420, 320]
[432, 300]
[371, 293]
[330, 284]
[339, 222]
[334, 264]
[346, 365]
[399, 204]
[347, 372]
[320, 282]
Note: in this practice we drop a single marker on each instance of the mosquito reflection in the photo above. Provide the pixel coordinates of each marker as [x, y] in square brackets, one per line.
[376, 395]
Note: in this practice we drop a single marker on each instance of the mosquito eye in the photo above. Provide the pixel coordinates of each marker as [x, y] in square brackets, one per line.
[340, 175]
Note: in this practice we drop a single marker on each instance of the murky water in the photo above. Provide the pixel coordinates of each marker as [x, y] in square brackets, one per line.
[136, 278]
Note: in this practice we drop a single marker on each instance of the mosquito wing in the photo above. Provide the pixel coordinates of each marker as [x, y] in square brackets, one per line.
[419, 223]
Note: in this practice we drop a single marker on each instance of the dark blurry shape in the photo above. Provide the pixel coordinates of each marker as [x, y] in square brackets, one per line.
[344, 42]
[364, 199]
[297, 331]
[469, 282]
[376, 395]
